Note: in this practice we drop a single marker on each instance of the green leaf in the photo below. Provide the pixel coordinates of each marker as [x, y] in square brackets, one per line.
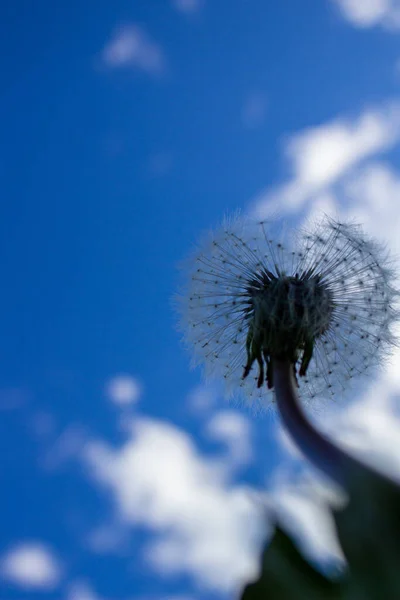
[285, 574]
[368, 528]
[369, 533]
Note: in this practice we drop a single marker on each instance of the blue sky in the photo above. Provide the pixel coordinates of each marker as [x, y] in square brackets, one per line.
[128, 129]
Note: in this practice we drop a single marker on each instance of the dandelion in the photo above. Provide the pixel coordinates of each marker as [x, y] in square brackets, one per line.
[315, 311]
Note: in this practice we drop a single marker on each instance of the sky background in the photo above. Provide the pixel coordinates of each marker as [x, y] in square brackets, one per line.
[129, 128]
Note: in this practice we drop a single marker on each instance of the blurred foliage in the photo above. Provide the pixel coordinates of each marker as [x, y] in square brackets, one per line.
[368, 528]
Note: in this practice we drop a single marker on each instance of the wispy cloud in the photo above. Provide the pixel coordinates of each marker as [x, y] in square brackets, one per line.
[187, 6]
[43, 425]
[13, 398]
[320, 156]
[160, 164]
[123, 390]
[65, 448]
[131, 46]
[31, 565]
[202, 398]
[203, 524]
[371, 13]
[254, 110]
[108, 538]
[82, 590]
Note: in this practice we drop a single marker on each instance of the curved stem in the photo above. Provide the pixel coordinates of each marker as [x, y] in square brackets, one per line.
[333, 461]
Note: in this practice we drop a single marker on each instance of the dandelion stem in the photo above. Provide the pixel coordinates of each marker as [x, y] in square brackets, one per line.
[327, 457]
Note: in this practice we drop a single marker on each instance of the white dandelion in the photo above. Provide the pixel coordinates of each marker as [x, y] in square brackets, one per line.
[321, 302]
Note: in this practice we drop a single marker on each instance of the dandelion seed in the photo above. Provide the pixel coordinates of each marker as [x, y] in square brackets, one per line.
[322, 300]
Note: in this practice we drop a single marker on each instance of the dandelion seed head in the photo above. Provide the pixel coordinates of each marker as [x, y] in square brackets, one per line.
[252, 295]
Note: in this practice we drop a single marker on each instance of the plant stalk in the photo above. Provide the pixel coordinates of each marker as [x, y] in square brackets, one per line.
[319, 450]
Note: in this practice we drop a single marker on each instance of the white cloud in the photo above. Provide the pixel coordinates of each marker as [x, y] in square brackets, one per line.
[123, 390]
[372, 197]
[203, 524]
[82, 590]
[31, 565]
[253, 111]
[367, 195]
[131, 46]
[320, 156]
[187, 6]
[233, 429]
[370, 13]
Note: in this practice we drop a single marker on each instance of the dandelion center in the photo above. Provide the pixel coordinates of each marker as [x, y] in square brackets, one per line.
[286, 315]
